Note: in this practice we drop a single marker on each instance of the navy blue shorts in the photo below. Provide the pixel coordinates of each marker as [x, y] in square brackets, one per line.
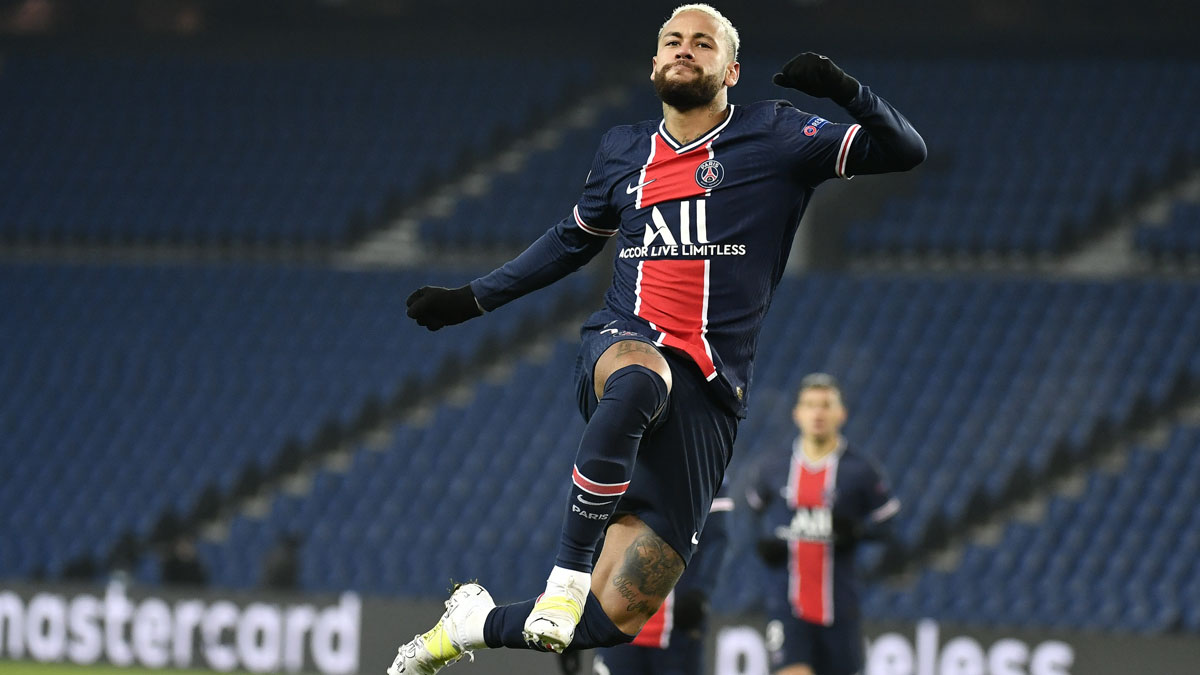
[828, 650]
[682, 458]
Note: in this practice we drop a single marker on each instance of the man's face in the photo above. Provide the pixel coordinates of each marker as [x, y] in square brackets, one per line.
[819, 413]
[693, 62]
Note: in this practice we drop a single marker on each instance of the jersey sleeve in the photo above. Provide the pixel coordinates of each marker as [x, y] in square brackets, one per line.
[564, 248]
[757, 491]
[594, 212]
[816, 148]
[879, 502]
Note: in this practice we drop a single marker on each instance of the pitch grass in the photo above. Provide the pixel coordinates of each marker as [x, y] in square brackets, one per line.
[33, 668]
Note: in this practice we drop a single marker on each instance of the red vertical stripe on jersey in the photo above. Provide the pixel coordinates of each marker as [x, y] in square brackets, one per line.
[811, 588]
[657, 631]
[673, 296]
[669, 176]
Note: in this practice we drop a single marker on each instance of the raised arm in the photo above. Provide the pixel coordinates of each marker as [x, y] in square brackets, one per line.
[883, 141]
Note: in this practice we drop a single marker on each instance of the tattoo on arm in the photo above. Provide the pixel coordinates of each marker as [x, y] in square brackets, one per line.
[648, 574]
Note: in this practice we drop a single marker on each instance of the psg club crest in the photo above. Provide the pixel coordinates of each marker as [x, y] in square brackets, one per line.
[709, 174]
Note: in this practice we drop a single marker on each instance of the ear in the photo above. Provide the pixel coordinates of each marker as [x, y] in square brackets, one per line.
[653, 66]
[733, 71]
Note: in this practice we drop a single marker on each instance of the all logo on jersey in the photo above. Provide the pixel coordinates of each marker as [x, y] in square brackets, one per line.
[808, 524]
[709, 174]
[684, 237]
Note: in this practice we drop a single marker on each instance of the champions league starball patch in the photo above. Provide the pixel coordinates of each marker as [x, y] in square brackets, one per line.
[709, 174]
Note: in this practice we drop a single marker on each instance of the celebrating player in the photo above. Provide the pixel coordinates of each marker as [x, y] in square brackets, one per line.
[817, 502]
[704, 204]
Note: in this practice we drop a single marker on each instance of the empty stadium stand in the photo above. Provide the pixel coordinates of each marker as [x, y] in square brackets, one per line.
[203, 151]
[129, 391]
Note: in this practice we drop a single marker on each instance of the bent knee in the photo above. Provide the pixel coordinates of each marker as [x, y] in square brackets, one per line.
[626, 353]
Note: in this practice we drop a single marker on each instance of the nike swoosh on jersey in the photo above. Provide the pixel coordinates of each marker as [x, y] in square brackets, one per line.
[695, 539]
[630, 189]
[584, 501]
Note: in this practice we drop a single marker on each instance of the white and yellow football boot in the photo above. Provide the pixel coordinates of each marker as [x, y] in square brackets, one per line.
[449, 640]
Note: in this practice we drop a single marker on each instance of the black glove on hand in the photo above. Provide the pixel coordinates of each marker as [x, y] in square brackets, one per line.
[817, 76]
[434, 307]
[691, 608]
[772, 551]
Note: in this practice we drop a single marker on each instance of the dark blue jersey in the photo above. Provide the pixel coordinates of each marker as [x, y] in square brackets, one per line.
[799, 501]
[704, 228]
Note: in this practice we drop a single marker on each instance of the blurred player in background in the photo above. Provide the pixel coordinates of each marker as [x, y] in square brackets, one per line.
[672, 641]
[704, 205]
[814, 505]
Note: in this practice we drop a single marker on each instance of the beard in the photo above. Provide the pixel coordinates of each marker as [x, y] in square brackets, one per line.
[684, 96]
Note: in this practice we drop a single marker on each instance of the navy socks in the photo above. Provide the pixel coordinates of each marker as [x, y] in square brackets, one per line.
[505, 625]
[633, 395]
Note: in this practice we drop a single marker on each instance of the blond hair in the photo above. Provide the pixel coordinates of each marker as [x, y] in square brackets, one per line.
[731, 34]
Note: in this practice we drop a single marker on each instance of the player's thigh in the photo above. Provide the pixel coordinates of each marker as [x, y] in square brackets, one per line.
[632, 352]
[634, 573]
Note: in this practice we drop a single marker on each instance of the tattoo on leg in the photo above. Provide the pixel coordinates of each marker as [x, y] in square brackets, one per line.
[634, 346]
[648, 574]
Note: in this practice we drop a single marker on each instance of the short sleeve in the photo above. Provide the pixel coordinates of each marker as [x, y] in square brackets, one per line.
[817, 148]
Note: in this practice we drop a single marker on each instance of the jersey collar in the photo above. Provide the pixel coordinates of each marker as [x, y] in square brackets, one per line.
[679, 148]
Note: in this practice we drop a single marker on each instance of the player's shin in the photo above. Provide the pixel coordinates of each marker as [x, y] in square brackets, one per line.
[633, 395]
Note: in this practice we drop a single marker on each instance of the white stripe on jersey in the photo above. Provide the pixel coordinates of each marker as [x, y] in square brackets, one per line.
[704, 320]
[588, 228]
[891, 508]
[637, 202]
[844, 151]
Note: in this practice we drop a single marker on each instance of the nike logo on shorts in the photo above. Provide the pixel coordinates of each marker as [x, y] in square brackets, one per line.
[630, 189]
[695, 539]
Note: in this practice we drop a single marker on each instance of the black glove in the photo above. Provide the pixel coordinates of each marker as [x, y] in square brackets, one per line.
[817, 76]
[691, 608]
[772, 550]
[434, 307]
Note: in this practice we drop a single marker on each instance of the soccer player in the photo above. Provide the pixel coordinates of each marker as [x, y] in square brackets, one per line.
[672, 641]
[816, 503]
[704, 205]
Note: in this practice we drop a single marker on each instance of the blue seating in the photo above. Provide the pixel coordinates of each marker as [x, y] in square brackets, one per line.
[273, 152]
[1176, 239]
[125, 391]
[1120, 557]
